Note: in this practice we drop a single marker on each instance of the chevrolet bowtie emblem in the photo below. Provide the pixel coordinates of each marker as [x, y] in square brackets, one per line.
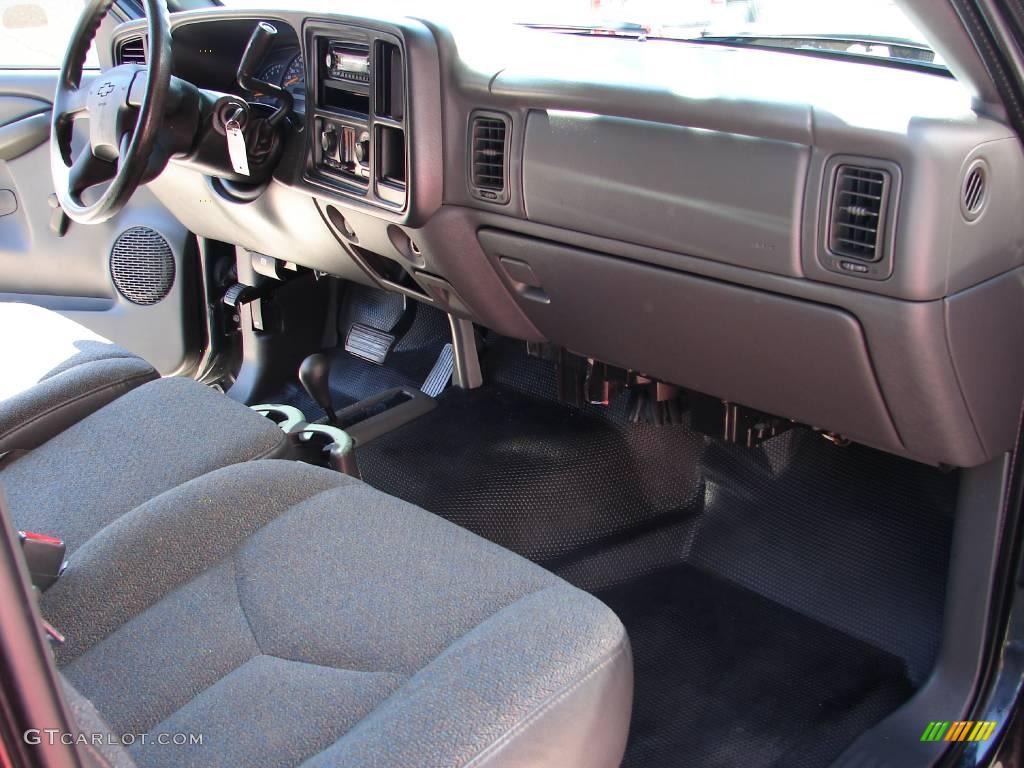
[106, 89]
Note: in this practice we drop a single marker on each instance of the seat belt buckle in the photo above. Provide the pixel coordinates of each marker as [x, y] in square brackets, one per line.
[55, 637]
[44, 556]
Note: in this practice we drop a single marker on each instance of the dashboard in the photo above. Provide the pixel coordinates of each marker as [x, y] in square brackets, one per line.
[833, 242]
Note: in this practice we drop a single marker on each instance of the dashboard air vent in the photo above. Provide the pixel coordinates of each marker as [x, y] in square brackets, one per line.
[860, 201]
[131, 51]
[488, 157]
[975, 191]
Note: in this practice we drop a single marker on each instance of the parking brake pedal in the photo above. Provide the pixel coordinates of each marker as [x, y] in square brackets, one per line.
[368, 343]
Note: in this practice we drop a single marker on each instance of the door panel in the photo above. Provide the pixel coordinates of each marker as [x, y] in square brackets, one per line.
[72, 273]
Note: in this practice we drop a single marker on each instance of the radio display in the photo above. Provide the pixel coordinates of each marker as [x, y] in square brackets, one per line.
[343, 62]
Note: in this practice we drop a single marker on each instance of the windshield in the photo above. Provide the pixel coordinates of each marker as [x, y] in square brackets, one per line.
[866, 27]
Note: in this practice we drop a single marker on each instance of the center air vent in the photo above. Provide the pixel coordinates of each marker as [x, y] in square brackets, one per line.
[860, 201]
[488, 157]
[131, 51]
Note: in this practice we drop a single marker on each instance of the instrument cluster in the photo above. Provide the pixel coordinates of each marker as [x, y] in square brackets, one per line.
[285, 68]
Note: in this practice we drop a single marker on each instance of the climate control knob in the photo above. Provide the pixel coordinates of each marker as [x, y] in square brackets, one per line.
[328, 140]
[363, 149]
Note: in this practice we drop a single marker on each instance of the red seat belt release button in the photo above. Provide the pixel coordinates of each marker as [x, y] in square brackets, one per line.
[44, 556]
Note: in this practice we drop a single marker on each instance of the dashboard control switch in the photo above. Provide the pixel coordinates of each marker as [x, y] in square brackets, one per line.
[328, 140]
[348, 148]
[362, 149]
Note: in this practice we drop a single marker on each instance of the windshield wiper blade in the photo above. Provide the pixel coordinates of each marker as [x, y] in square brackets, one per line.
[612, 29]
[902, 52]
[899, 48]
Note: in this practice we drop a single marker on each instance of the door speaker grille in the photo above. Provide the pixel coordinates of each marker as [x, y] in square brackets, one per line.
[142, 266]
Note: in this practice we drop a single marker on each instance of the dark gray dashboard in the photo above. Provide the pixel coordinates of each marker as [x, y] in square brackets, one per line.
[837, 243]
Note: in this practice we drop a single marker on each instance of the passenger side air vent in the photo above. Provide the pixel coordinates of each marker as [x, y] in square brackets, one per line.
[975, 190]
[488, 157]
[131, 51]
[860, 201]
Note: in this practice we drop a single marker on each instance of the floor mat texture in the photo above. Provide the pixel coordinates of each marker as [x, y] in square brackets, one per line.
[726, 678]
[780, 600]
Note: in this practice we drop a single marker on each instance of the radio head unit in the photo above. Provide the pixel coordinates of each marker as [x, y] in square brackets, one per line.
[358, 145]
[347, 60]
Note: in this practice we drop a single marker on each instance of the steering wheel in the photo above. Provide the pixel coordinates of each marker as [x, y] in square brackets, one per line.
[125, 106]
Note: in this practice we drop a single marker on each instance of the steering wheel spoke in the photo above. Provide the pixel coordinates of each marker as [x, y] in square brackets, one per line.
[87, 170]
[72, 103]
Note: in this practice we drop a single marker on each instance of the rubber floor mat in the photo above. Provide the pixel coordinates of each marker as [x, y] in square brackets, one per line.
[726, 678]
[780, 600]
[551, 483]
[853, 537]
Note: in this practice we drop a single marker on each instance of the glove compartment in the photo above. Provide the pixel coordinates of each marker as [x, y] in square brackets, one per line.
[805, 361]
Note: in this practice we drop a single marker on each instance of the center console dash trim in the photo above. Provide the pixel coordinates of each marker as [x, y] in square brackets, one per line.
[357, 121]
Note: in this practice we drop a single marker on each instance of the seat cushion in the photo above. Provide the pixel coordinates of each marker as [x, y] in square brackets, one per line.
[152, 439]
[55, 372]
[293, 616]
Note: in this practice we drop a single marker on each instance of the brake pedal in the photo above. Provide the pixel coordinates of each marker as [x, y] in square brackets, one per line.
[368, 343]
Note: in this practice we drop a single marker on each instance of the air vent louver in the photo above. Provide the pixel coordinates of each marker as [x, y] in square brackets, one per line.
[488, 158]
[860, 200]
[131, 51]
[974, 191]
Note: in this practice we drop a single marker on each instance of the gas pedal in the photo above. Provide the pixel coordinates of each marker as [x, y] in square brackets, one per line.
[368, 343]
[441, 373]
